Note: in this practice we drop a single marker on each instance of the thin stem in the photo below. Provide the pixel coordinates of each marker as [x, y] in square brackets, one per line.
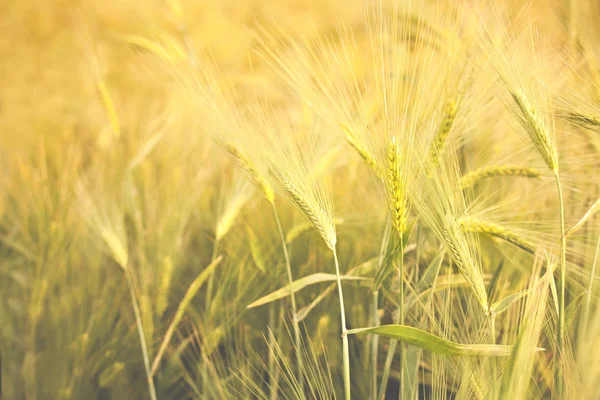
[140, 328]
[588, 294]
[492, 320]
[209, 287]
[401, 307]
[386, 368]
[561, 293]
[272, 366]
[375, 309]
[345, 349]
[374, 342]
[292, 296]
[393, 343]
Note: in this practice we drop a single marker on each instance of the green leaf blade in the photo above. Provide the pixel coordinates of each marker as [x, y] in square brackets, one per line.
[434, 344]
[300, 284]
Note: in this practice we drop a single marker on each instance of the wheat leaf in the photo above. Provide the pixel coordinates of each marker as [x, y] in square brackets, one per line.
[300, 284]
[434, 344]
[506, 302]
[187, 298]
[593, 210]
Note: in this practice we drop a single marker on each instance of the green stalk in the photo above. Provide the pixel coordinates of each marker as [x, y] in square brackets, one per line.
[292, 296]
[374, 342]
[492, 320]
[272, 366]
[345, 349]
[393, 343]
[561, 294]
[386, 369]
[209, 287]
[401, 306]
[375, 309]
[140, 328]
[588, 294]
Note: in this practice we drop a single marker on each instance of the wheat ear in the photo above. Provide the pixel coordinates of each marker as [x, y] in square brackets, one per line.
[455, 242]
[395, 188]
[364, 153]
[477, 226]
[536, 128]
[441, 138]
[314, 213]
[256, 176]
[475, 176]
[580, 119]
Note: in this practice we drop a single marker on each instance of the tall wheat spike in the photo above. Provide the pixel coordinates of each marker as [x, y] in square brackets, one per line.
[395, 189]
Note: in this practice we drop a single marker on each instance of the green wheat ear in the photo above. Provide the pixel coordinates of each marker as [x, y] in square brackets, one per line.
[471, 178]
[536, 128]
[256, 176]
[439, 143]
[478, 226]
[395, 187]
[361, 150]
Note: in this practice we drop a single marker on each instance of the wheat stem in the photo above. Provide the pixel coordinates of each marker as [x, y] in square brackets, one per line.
[140, 329]
[401, 317]
[375, 309]
[209, 285]
[588, 294]
[345, 348]
[292, 294]
[561, 294]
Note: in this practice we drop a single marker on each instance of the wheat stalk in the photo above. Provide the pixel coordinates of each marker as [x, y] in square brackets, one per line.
[468, 224]
[475, 176]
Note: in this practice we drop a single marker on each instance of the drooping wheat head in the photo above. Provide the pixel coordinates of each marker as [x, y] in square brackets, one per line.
[471, 178]
[469, 224]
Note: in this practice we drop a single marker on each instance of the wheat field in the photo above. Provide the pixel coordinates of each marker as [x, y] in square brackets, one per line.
[299, 199]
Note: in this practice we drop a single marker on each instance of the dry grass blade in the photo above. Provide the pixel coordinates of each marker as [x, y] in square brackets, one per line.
[232, 210]
[187, 298]
[300, 284]
[109, 107]
[589, 214]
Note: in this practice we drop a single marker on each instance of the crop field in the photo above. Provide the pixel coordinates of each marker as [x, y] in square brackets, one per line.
[299, 199]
